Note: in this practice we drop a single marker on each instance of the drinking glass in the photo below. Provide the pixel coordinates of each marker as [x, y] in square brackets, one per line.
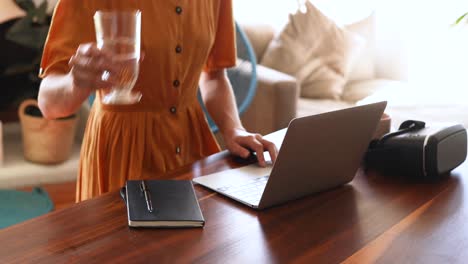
[118, 33]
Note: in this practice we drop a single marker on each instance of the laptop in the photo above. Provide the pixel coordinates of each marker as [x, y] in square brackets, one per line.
[316, 153]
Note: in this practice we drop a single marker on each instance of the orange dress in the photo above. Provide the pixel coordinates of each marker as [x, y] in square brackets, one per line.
[167, 128]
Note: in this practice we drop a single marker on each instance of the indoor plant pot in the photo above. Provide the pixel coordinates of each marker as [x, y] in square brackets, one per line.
[45, 141]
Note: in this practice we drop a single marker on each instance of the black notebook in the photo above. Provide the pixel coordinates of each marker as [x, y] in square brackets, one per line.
[167, 203]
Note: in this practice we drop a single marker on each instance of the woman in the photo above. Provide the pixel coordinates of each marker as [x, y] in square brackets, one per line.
[186, 44]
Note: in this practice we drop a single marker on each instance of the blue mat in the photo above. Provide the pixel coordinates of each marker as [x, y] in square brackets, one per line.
[18, 206]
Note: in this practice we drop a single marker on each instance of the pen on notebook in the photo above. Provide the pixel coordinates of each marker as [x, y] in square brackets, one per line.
[147, 194]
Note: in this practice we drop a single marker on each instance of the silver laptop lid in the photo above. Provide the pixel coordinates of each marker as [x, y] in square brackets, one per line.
[320, 152]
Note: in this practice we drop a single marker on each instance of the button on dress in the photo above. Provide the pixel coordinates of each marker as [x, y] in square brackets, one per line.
[167, 129]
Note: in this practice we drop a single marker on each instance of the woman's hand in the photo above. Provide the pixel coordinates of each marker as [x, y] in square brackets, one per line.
[240, 142]
[61, 95]
[91, 68]
[218, 97]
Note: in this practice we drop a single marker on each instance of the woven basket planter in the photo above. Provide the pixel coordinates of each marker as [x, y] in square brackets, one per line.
[46, 141]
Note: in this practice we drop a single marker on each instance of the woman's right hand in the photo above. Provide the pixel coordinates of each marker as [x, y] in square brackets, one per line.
[91, 68]
[61, 95]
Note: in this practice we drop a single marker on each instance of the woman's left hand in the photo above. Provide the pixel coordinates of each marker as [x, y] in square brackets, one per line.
[240, 142]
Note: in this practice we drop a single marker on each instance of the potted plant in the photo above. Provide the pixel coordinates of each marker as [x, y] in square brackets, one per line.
[44, 141]
[461, 18]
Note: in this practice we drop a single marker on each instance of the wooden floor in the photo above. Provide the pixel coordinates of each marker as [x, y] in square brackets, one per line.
[62, 194]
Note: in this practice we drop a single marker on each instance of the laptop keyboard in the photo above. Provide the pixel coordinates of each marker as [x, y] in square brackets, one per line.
[248, 191]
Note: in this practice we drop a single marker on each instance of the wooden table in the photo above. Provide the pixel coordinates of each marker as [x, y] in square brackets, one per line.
[373, 219]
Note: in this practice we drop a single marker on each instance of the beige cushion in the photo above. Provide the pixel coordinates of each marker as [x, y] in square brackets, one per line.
[381, 90]
[308, 106]
[316, 51]
[358, 90]
[363, 68]
[259, 36]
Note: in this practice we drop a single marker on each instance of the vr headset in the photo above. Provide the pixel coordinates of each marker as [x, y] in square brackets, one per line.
[419, 152]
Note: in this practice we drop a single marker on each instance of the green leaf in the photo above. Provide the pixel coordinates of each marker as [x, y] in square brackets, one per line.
[40, 14]
[19, 69]
[25, 33]
[460, 18]
[27, 5]
[31, 32]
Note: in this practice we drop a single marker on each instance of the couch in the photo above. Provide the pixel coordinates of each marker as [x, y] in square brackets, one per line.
[278, 99]
[376, 75]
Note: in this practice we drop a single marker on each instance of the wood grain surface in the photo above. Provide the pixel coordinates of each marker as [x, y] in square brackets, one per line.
[372, 219]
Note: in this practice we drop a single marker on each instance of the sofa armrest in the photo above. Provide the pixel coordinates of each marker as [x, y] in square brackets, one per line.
[274, 104]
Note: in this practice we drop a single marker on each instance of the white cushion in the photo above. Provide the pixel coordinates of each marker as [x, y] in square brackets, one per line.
[308, 106]
[358, 90]
[364, 68]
